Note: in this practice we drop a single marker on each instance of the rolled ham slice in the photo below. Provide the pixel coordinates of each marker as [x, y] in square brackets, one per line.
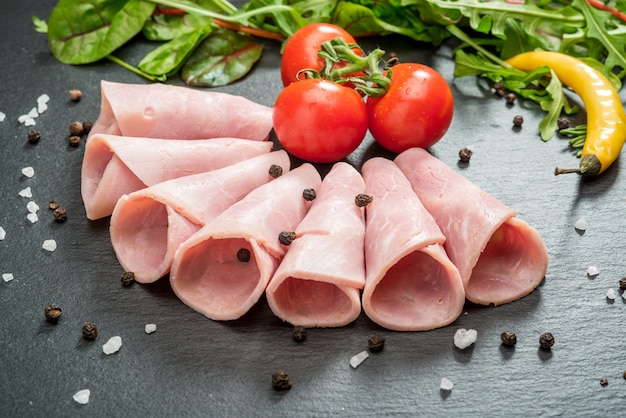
[174, 112]
[224, 268]
[411, 284]
[500, 257]
[116, 165]
[148, 226]
[317, 283]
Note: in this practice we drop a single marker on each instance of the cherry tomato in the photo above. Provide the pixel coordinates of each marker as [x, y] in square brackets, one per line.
[416, 111]
[319, 121]
[302, 47]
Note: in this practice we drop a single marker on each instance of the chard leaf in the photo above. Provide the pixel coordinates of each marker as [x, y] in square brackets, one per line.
[169, 57]
[85, 31]
[168, 27]
[220, 59]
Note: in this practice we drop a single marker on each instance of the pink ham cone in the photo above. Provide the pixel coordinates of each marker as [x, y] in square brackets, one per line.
[174, 112]
[117, 165]
[411, 284]
[317, 283]
[500, 257]
[148, 226]
[206, 273]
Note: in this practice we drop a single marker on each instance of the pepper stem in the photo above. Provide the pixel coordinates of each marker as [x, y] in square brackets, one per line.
[590, 165]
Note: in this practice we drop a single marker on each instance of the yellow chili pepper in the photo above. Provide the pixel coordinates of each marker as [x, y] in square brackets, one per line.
[606, 120]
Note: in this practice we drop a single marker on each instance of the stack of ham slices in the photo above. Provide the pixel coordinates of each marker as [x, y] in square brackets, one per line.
[195, 191]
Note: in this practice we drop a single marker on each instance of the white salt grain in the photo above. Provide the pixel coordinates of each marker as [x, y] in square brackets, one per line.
[82, 396]
[357, 359]
[581, 224]
[113, 345]
[42, 107]
[150, 328]
[593, 271]
[43, 99]
[463, 338]
[28, 171]
[610, 294]
[33, 113]
[27, 192]
[3, 233]
[32, 207]
[446, 384]
[2, 117]
[49, 245]
[7, 277]
[32, 217]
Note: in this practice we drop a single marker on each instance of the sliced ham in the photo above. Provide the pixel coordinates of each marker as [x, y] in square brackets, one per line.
[411, 284]
[116, 165]
[208, 275]
[148, 226]
[500, 257]
[174, 112]
[317, 283]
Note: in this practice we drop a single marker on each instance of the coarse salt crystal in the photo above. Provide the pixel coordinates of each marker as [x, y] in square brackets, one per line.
[3, 233]
[49, 245]
[7, 277]
[150, 328]
[581, 224]
[610, 294]
[28, 171]
[463, 338]
[593, 271]
[32, 207]
[44, 98]
[113, 345]
[32, 217]
[359, 358]
[446, 384]
[42, 107]
[33, 113]
[82, 396]
[27, 192]
[3, 116]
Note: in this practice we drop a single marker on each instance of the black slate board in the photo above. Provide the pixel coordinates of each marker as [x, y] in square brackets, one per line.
[192, 366]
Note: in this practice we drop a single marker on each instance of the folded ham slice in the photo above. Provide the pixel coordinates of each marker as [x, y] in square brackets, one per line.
[224, 268]
[500, 257]
[148, 226]
[411, 284]
[317, 283]
[115, 165]
[174, 112]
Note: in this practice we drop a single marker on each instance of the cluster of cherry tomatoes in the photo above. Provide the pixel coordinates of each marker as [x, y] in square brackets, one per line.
[322, 121]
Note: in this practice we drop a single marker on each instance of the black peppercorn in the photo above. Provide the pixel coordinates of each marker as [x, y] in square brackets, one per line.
[563, 123]
[299, 334]
[76, 95]
[52, 205]
[280, 380]
[128, 278]
[508, 338]
[87, 125]
[90, 331]
[518, 120]
[34, 136]
[309, 194]
[76, 128]
[546, 341]
[276, 171]
[60, 214]
[363, 199]
[510, 98]
[376, 343]
[243, 255]
[604, 381]
[74, 141]
[499, 88]
[622, 283]
[465, 154]
[53, 313]
[286, 237]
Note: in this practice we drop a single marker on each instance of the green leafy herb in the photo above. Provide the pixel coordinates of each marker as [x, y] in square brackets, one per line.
[40, 25]
[222, 58]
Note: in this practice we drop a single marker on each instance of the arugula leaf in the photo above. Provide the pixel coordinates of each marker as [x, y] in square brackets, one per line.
[85, 31]
[40, 25]
[222, 58]
[554, 103]
[169, 57]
